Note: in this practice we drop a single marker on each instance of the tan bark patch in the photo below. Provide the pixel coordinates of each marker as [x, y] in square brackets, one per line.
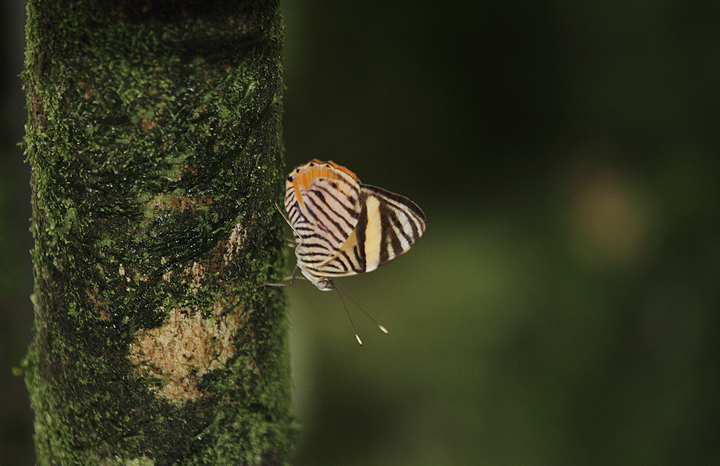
[183, 349]
[97, 301]
[196, 273]
[237, 237]
[169, 201]
[147, 125]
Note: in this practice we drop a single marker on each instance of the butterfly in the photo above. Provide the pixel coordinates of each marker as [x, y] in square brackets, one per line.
[343, 227]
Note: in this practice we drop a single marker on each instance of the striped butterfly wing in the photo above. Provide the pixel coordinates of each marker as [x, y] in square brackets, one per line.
[388, 226]
[323, 205]
[343, 227]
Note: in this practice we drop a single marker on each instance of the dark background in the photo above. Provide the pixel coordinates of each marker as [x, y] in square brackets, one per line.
[563, 305]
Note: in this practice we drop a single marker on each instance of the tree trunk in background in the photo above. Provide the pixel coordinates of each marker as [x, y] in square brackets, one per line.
[154, 141]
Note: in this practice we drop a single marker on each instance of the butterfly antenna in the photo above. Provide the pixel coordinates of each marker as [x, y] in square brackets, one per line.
[357, 337]
[383, 329]
[286, 219]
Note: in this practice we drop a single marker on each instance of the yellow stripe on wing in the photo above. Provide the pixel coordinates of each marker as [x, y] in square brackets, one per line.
[373, 234]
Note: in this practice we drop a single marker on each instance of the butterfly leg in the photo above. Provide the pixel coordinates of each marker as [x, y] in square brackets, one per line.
[285, 281]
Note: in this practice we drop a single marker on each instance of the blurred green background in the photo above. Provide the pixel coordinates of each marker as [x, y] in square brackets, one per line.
[563, 305]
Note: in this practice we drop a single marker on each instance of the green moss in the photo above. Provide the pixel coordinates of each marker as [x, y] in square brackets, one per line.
[154, 143]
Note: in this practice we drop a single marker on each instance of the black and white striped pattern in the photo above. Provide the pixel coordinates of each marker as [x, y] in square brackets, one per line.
[343, 227]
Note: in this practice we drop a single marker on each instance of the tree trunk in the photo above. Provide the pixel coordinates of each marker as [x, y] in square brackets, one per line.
[154, 141]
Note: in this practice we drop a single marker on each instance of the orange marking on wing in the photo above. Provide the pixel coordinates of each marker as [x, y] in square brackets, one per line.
[340, 167]
[298, 195]
[305, 175]
[305, 178]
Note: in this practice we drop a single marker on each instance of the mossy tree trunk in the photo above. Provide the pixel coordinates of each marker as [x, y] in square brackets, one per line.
[154, 141]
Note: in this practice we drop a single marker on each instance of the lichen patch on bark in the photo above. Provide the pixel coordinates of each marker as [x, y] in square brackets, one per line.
[237, 237]
[164, 202]
[196, 273]
[175, 355]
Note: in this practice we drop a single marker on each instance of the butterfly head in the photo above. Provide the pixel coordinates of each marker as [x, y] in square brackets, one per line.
[324, 284]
